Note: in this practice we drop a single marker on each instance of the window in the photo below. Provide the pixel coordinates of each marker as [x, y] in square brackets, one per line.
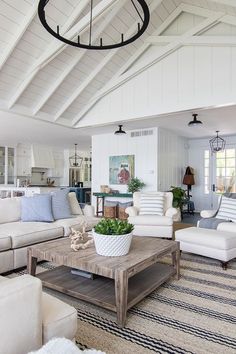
[225, 171]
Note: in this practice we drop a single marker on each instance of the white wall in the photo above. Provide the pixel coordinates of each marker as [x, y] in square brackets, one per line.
[172, 159]
[144, 148]
[189, 78]
[160, 159]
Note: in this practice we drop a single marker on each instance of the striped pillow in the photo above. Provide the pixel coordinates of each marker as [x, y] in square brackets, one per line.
[151, 204]
[227, 209]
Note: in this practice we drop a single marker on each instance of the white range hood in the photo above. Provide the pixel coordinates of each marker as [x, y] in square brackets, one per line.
[42, 157]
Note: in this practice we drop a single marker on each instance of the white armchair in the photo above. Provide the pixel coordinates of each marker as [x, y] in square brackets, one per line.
[29, 317]
[153, 225]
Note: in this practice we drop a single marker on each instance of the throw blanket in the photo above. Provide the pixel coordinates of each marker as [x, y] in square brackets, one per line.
[212, 223]
[63, 346]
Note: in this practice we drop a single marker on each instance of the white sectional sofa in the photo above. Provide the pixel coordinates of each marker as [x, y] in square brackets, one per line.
[16, 236]
[30, 318]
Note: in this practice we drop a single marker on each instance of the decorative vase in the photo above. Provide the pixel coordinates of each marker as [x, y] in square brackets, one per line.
[112, 245]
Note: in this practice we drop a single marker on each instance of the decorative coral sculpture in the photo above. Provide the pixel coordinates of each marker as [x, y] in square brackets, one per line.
[80, 239]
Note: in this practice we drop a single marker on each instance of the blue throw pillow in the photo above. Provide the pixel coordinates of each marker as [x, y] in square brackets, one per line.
[60, 204]
[37, 208]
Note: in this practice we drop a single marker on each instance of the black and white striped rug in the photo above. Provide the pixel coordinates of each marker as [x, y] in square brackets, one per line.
[196, 314]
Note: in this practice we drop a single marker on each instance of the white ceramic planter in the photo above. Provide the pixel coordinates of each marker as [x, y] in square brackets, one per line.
[112, 245]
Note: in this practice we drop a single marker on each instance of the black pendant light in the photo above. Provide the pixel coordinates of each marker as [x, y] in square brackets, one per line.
[120, 131]
[75, 160]
[140, 7]
[195, 121]
[217, 143]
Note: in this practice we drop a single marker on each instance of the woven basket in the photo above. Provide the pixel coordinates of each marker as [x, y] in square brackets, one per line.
[112, 245]
[122, 214]
[110, 212]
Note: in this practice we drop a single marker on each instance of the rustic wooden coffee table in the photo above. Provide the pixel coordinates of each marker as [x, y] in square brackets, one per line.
[122, 281]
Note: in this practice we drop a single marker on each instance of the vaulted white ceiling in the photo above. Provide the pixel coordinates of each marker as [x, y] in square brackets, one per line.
[44, 79]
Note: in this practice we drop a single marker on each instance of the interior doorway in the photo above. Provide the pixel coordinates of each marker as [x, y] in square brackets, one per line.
[219, 174]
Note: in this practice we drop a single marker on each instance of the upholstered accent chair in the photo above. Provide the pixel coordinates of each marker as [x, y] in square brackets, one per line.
[29, 318]
[215, 234]
[151, 224]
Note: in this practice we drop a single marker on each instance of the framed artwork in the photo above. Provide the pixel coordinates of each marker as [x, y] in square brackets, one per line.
[121, 169]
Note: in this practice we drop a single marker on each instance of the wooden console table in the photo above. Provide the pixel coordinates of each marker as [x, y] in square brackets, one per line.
[101, 200]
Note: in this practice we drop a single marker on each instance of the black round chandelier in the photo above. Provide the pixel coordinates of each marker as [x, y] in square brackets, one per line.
[143, 14]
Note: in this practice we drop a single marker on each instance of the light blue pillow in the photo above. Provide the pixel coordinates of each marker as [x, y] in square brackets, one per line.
[60, 205]
[37, 208]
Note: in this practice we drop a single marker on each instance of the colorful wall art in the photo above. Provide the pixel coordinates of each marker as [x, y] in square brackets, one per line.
[121, 169]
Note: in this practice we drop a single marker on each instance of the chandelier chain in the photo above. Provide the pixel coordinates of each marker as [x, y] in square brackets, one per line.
[91, 22]
[137, 10]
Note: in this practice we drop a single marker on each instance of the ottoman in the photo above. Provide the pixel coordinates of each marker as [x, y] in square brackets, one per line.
[215, 244]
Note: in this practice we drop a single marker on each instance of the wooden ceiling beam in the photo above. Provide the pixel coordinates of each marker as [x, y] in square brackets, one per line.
[18, 35]
[58, 46]
[78, 58]
[194, 40]
[133, 58]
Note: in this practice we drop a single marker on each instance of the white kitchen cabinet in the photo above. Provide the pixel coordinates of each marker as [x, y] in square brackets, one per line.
[58, 170]
[24, 161]
[23, 166]
[7, 165]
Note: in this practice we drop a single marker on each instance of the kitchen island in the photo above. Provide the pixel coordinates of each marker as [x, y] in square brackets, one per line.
[12, 191]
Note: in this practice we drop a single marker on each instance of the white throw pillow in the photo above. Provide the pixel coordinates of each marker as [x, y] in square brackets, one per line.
[151, 204]
[74, 204]
[227, 209]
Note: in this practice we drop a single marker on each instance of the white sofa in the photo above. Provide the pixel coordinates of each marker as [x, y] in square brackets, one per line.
[29, 318]
[153, 225]
[16, 236]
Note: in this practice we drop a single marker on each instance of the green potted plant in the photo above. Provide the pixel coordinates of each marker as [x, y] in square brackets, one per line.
[179, 197]
[135, 185]
[112, 237]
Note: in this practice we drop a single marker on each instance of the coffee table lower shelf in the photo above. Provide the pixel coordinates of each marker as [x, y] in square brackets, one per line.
[100, 290]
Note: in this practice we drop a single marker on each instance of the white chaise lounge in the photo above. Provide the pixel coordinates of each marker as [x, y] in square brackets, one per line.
[217, 243]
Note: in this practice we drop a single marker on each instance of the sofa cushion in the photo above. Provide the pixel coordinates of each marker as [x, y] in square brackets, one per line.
[227, 226]
[4, 279]
[206, 237]
[76, 223]
[59, 319]
[37, 208]
[24, 234]
[10, 210]
[151, 220]
[74, 204]
[5, 242]
[60, 204]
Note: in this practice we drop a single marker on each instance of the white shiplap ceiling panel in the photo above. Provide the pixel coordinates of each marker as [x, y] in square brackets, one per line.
[58, 83]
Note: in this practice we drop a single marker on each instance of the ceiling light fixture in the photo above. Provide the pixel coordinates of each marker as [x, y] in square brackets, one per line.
[120, 131]
[75, 160]
[139, 6]
[217, 143]
[195, 121]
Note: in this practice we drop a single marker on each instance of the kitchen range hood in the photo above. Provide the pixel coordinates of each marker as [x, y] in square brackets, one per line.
[42, 157]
